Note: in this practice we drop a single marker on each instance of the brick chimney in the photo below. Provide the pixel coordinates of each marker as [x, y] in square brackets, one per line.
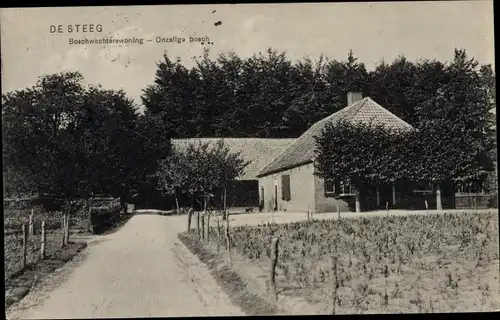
[353, 97]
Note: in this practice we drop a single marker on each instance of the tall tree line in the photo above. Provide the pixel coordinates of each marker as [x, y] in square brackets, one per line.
[269, 96]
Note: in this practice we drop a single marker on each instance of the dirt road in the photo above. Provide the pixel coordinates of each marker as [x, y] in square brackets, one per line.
[141, 270]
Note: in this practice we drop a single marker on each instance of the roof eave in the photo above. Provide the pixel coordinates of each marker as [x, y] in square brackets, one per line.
[267, 173]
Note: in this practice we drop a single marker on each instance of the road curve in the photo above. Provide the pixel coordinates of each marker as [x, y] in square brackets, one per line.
[142, 270]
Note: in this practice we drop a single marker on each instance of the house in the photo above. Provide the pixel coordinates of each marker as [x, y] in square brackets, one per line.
[257, 151]
[288, 183]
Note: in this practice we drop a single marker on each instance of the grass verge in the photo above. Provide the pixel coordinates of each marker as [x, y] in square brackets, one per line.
[20, 282]
[228, 279]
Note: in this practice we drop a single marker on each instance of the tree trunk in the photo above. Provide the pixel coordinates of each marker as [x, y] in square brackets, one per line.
[357, 200]
[198, 224]
[208, 227]
[42, 242]
[190, 216]
[338, 208]
[123, 206]
[91, 227]
[439, 205]
[203, 225]
[30, 224]
[394, 194]
[176, 203]
[204, 217]
[225, 199]
[378, 198]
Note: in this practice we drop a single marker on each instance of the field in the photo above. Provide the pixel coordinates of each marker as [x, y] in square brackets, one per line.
[414, 263]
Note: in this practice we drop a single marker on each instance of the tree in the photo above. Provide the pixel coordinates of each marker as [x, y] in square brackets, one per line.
[455, 127]
[173, 176]
[361, 154]
[68, 140]
[201, 169]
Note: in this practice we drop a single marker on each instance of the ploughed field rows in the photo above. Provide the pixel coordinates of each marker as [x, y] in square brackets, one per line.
[415, 263]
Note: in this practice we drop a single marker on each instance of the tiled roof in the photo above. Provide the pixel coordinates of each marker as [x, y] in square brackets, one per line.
[258, 151]
[302, 150]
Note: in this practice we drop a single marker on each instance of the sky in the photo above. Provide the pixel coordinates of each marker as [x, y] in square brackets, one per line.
[373, 31]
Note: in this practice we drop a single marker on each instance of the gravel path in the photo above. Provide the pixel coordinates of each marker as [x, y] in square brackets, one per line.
[141, 270]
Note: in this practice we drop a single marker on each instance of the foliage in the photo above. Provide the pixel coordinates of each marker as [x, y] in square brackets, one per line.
[200, 169]
[64, 139]
[362, 153]
[450, 108]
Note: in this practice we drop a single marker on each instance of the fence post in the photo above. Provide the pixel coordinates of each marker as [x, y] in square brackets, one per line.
[272, 270]
[208, 227]
[42, 245]
[338, 208]
[335, 278]
[426, 207]
[25, 244]
[387, 207]
[228, 238]
[66, 231]
[30, 228]
[63, 228]
[218, 234]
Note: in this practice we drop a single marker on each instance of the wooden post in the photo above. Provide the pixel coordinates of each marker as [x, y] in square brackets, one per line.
[426, 207]
[30, 223]
[394, 194]
[208, 227]
[25, 244]
[218, 234]
[308, 215]
[335, 278]
[272, 270]
[66, 231]
[439, 205]
[378, 197]
[387, 207]
[63, 228]
[42, 245]
[228, 238]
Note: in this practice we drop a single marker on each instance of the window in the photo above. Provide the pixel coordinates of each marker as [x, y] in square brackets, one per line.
[346, 189]
[285, 187]
[330, 188]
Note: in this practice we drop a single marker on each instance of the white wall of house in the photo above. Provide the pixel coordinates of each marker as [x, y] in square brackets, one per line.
[301, 190]
[306, 190]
